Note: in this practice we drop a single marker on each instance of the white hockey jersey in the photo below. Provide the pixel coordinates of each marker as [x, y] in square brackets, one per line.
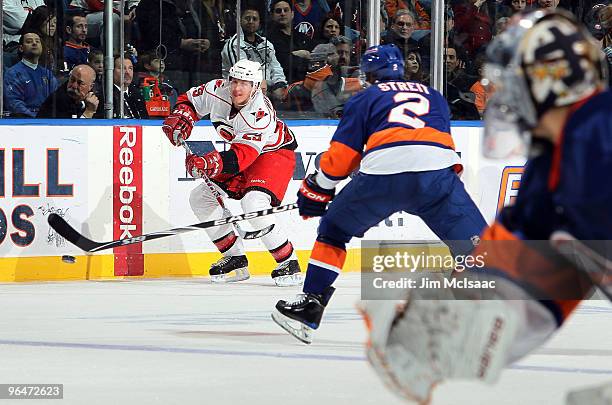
[254, 125]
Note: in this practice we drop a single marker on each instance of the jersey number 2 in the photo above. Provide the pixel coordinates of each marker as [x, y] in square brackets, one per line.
[418, 105]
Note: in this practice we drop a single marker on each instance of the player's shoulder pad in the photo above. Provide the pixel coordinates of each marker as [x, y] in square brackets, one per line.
[259, 113]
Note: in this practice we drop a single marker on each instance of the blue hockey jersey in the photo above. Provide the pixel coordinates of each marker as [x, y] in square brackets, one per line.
[392, 127]
[565, 188]
[568, 187]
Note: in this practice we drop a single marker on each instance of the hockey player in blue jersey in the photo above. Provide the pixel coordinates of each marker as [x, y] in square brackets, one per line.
[548, 251]
[398, 134]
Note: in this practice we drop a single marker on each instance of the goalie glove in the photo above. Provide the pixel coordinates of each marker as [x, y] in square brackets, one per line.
[312, 198]
[209, 165]
[179, 123]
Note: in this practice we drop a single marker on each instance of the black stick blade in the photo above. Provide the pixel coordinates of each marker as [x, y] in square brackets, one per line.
[63, 228]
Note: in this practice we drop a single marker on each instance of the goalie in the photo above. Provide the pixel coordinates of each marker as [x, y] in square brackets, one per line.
[551, 102]
[256, 169]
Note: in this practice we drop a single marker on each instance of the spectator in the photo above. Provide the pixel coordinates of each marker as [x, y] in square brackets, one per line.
[551, 4]
[420, 9]
[133, 101]
[257, 48]
[14, 15]
[210, 25]
[95, 59]
[507, 8]
[75, 98]
[153, 66]
[401, 31]
[175, 41]
[482, 89]
[292, 47]
[308, 16]
[344, 50]
[323, 90]
[43, 21]
[329, 28]
[94, 10]
[27, 84]
[473, 26]
[76, 49]
[413, 69]
[455, 72]
[603, 28]
[460, 100]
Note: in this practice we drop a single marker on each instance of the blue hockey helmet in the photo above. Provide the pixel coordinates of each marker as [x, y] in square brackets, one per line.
[384, 62]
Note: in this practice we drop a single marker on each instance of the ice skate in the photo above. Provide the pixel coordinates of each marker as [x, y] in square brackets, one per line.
[287, 274]
[302, 316]
[221, 271]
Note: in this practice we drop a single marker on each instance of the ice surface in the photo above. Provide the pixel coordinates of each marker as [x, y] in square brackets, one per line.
[186, 341]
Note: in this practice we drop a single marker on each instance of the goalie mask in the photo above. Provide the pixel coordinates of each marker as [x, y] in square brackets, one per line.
[249, 71]
[543, 60]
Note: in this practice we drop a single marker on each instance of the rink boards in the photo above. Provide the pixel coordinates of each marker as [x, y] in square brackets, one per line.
[116, 181]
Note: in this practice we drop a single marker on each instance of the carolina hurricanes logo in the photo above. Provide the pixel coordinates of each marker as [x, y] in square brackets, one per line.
[218, 83]
[259, 114]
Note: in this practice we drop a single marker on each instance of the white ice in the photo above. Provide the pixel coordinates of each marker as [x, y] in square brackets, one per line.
[189, 342]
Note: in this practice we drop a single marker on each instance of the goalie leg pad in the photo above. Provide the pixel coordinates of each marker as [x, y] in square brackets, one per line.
[416, 344]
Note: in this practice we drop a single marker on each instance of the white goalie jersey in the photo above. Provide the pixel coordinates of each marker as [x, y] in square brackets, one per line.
[254, 125]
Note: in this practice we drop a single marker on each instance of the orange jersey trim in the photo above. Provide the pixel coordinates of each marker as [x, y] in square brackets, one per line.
[520, 262]
[328, 254]
[398, 134]
[340, 160]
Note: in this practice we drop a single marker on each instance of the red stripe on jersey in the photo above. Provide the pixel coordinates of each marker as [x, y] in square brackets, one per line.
[246, 155]
[280, 131]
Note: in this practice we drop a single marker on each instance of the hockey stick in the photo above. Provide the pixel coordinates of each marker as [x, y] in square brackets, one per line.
[63, 228]
[584, 258]
[226, 212]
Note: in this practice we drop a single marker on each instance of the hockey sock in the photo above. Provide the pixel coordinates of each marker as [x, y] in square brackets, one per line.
[324, 265]
[284, 252]
[230, 245]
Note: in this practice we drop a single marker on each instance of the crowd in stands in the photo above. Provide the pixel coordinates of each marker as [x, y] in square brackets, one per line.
[53, 56]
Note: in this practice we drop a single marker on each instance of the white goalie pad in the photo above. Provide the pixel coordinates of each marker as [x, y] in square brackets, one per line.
[419, 343]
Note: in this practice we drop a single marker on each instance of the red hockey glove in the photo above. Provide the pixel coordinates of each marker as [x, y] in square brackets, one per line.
[179, 123]
[209, 165]
[312, 198]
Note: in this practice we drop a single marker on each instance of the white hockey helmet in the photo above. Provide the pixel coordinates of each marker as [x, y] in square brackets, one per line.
[247, 70]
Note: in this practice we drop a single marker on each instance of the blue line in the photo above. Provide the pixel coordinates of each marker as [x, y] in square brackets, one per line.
[96, 346]
[203, 123]
[303, 356]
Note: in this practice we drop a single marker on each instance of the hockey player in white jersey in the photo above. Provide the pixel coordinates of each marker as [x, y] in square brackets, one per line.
[256, 169]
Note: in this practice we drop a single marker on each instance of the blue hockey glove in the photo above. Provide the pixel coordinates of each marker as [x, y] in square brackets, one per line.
[312, 198]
